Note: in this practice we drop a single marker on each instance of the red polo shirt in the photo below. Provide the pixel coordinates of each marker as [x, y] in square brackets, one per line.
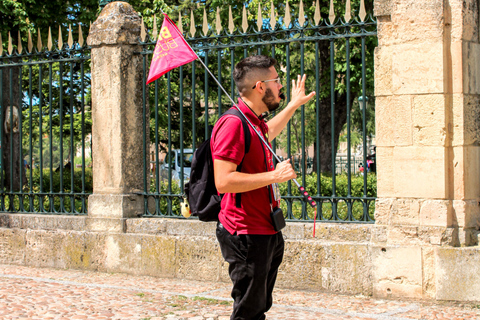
[228, 143]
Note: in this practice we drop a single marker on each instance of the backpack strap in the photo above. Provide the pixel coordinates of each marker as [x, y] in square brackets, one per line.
[248, 138]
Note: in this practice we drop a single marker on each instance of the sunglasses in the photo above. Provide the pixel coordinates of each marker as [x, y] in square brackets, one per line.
[277, 80]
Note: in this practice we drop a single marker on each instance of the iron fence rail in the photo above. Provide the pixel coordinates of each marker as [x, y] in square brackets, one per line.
[185, 102]
[51, 96]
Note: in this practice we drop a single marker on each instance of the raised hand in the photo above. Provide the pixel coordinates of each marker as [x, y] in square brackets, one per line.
[298, 92]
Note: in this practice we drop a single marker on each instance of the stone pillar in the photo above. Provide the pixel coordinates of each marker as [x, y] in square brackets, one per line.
[427, 88]
[116, 118]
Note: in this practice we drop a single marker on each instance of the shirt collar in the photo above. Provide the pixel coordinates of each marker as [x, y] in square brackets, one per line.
[249, 113]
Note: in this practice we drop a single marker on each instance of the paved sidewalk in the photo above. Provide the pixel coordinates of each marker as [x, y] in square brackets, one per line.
[41, 293]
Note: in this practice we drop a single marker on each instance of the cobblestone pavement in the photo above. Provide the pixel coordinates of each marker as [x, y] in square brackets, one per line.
[42, 293]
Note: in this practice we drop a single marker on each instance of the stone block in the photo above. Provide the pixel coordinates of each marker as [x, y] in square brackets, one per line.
[115, 205]
[339, 232]
[405, 212]
[429, 120]
[464, 20]
[428, 263]
[354, 277]
[436, 213]
[118, 23]
[96, 251]
[457, 273]
[297, 231]
[114, 225]
[73, 253]
[191, 228]
[403, 235]
[383, 210]
[471, 118]
[383, 69]
[123, 253]
[198, 258]
[146, 226]
[12, 246]
[43, 248]
[418, 68]
[466, 214]
[419, 172]
[471, 67]
[379, 235]
[394, 123]
[158, 256]
[305, 259]
[385, 172]
[397, 271]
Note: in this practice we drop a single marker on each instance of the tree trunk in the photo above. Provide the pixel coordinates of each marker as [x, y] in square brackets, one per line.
[11, 143]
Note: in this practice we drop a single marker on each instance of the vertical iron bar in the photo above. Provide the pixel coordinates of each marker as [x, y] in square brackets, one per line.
[317, 129]
[82, 101]
[289, 129]
[144, 129]
[169, 111]
[364, 130]
[332, 116]
[20, 138]
[40, 135]
[302, 124]
[62, 205]
[181, 130]
[11, 135]
[157, 142]
[219, 77]
[2, 165]
[50, 135]
[349, 173]
[72, 152]
[206, 97]
[30, 132]
[232, 67]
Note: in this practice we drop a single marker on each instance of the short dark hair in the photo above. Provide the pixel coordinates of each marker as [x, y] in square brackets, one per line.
[247, 69]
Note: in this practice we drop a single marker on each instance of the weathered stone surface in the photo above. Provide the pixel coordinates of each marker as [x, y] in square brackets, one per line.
[383, 71]
[457, 273]
[394, 120]
[12, 246]
[123, 253]
[397, 271]
[115, 205]
[198, 258]
[419, 172]
[466, 214]
[147, 226]
[383, 210]
[405, 212]
[429, 120]
[304, 259]
[117, 120]
[112, 225]
[191, 228]
[354, 277]
[158, 256]
[118, 23]
[385, 172]
[338, 232]
[436, 213]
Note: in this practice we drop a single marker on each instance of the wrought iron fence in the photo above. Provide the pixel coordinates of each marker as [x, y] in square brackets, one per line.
[44, 151]
[337, 55]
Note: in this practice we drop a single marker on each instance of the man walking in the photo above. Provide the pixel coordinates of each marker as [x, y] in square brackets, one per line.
[248, 240]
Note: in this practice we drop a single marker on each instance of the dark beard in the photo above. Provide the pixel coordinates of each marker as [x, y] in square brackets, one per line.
[269, 100]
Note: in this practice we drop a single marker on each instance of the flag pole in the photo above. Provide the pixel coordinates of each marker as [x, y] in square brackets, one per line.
[300, 187]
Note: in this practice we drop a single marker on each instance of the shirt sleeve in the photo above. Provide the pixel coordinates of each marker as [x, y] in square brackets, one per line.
[228, 140]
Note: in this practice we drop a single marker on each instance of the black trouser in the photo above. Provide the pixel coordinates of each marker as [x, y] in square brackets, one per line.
[253, 266]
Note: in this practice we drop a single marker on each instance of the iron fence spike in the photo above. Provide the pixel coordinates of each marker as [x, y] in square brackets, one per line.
[301, 14]
[19, 47]
[10, 45]
[231, 26]
[49, 42]
[143, 33]
[30, 43]
[244, 20]
[80, 35]
[273, 22]
[39, 41]
[192, 24]
[70, 37]
[348, 9]
[362, 14]
[318, 15]
[205, 22]
[217, 22]
[60, 40]
[331, 15]
[287, 19]
[180, 24]
[154, 30]
[259, 18]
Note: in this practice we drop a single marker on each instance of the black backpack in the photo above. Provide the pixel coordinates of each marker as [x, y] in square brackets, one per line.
[201, 192]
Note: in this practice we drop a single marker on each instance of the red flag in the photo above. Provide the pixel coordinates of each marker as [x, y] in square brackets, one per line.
[171, 51]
